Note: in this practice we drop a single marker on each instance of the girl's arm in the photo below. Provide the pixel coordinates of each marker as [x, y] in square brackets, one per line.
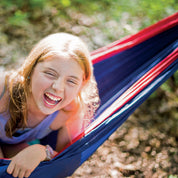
[26, 158]
[69, 127]
[63, 139]
[10, 150]
[68, 132]
[24, 163]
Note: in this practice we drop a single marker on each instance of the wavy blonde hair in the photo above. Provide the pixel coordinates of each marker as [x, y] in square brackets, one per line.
[19, 81]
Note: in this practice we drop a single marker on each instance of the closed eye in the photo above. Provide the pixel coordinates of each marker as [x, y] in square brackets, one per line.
[50, 74]
[72, 82]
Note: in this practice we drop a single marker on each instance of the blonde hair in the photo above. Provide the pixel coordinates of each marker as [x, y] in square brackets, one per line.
[50, 46]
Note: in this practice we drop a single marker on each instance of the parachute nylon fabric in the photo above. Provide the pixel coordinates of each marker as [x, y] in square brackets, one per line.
[127, 72]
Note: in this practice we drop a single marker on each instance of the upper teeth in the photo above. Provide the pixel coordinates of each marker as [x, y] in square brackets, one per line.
[52, 97]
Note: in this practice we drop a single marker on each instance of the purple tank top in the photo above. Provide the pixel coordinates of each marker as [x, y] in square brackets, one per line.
[28, 134]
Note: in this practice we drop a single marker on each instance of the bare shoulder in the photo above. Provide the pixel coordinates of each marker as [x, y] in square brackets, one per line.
[69, 125]
[64, 115]
[60, 120]
[65, 118]
[3, 93]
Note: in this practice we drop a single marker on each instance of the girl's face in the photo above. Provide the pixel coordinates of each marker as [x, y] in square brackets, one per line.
[55, 83]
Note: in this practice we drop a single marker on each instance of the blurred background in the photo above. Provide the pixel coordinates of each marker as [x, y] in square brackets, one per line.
[146, 144]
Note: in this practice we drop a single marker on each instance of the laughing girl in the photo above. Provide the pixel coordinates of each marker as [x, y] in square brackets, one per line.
[54, 89]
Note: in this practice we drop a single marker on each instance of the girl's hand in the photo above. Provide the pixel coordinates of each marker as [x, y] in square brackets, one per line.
[23, 164]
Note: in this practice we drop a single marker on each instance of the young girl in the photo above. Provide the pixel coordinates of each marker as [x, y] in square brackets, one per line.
[53, 90]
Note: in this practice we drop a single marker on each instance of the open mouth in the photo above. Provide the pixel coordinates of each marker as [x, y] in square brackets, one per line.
[51, 100]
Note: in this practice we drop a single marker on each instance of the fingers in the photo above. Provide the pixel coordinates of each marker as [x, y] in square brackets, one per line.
[10, 168]
[16, 171]
[23, 174]
[27, 173]
[26, 161]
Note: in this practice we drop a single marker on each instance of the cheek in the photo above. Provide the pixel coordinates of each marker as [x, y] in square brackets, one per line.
[72, 93]
[39, 85]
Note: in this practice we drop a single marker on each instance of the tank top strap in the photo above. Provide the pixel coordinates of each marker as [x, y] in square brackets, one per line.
[4, 89]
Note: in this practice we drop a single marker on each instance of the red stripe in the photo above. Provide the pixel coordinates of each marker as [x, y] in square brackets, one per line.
[120, 45]
[135, 89]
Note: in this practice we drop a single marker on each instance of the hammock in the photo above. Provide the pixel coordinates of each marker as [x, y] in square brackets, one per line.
[127, 72]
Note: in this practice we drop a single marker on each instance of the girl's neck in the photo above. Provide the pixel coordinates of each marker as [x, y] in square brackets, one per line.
[34, 117]
[33, 120]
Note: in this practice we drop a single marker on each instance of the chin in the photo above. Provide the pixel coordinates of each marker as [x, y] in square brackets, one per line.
[47, 111]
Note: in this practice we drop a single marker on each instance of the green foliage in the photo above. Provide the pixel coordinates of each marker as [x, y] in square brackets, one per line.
[171, 85]
[166, 87]
[37, 4]
[66, 3]
[172, 176]
[23, 5]
[149, 11]
[19, 19]
[176, 78]
[20, 12]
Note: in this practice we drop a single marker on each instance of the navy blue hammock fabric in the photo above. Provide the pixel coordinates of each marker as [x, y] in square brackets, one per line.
[127, 72]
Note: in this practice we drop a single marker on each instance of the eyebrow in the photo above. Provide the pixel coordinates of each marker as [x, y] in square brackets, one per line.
[76, 78]
[49, 68]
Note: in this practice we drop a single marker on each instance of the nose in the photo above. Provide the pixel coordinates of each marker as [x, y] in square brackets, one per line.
[58, 85]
